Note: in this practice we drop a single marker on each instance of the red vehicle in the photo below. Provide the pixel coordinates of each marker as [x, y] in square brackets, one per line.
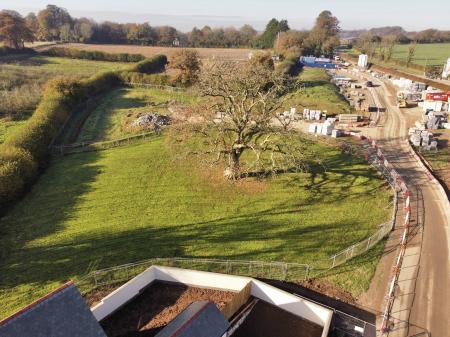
[438, 96]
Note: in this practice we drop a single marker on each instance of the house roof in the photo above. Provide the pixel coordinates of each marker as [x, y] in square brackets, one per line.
[62, 313]
[200, 319]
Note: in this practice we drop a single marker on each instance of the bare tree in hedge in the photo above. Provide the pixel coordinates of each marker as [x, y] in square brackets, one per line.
[411, 52]
[389, 42]
[241, 120]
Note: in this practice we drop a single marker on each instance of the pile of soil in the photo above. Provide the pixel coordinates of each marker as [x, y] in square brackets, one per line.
[156, 306]
[327, 288]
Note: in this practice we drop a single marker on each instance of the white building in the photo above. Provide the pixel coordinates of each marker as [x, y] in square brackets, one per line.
[363, 60]
[446, 72]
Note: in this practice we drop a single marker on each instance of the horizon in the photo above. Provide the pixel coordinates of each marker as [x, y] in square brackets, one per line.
[352, 14]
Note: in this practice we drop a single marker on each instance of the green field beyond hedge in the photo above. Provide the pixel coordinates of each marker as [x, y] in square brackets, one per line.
[431, 53]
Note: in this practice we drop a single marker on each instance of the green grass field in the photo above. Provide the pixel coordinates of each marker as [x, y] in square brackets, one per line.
[426, 54]
[111, 120]
[100, 209]
[316, 92]
[431, 54]
[58, 65]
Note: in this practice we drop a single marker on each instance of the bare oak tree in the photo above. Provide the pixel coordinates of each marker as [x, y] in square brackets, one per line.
[241, 120]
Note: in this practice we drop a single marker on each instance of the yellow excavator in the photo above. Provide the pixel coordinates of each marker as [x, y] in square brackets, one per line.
[402, 103]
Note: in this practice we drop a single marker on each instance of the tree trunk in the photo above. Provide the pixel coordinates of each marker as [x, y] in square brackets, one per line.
[233, 171]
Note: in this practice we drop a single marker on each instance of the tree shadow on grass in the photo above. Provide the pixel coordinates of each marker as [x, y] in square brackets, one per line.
[341, 175]
[17, 227]
[250, 236]
[58, 262]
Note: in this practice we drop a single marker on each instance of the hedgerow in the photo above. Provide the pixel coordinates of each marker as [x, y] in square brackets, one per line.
[92, 55]
[27, 149]
[13, 51]
[290, 65]
[153, 65]
[17, 168]
[134, 77]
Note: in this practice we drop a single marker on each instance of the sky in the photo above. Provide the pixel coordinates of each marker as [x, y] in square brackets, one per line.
[185, 14]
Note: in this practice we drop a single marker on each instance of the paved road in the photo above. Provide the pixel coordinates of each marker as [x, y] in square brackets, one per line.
[423, 297]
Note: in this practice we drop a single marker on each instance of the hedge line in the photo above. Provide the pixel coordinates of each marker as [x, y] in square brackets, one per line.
[153, 65]
[12, 51]
[92, 55]
[290, 66]
[27, 150]
[134, 77]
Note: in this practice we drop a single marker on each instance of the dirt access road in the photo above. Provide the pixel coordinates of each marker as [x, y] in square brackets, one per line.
[423, 293]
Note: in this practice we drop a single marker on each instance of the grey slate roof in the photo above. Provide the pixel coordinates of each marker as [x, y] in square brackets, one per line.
[200, 319]
[62, 313]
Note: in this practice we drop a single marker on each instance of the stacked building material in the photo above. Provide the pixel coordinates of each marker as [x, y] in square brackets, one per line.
[349, 118]
[312, 114]
[325, 129]
[422, 138]
[435, 119]
[336, 133]
[291, 114]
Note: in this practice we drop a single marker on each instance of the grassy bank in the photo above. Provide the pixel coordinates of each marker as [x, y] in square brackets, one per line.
[316, 92]
[120, 107]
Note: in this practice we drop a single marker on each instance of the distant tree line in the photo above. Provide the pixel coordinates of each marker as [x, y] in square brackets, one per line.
[56, 24]
[400, 35]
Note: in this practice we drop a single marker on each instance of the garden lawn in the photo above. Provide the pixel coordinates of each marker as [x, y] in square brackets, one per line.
[120, 107]
[100, 209]
[317, 93]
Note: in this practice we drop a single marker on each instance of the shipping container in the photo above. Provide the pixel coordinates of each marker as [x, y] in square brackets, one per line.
[437, 96]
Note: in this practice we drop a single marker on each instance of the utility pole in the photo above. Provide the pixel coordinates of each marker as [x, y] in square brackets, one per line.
[278, 44]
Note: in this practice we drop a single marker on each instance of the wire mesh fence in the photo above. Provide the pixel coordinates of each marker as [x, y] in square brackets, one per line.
[258, 269]
[97, 146]
[156, 86]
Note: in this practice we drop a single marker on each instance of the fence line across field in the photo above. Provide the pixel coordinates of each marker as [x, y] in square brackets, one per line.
[155, 86]
[97, 146]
